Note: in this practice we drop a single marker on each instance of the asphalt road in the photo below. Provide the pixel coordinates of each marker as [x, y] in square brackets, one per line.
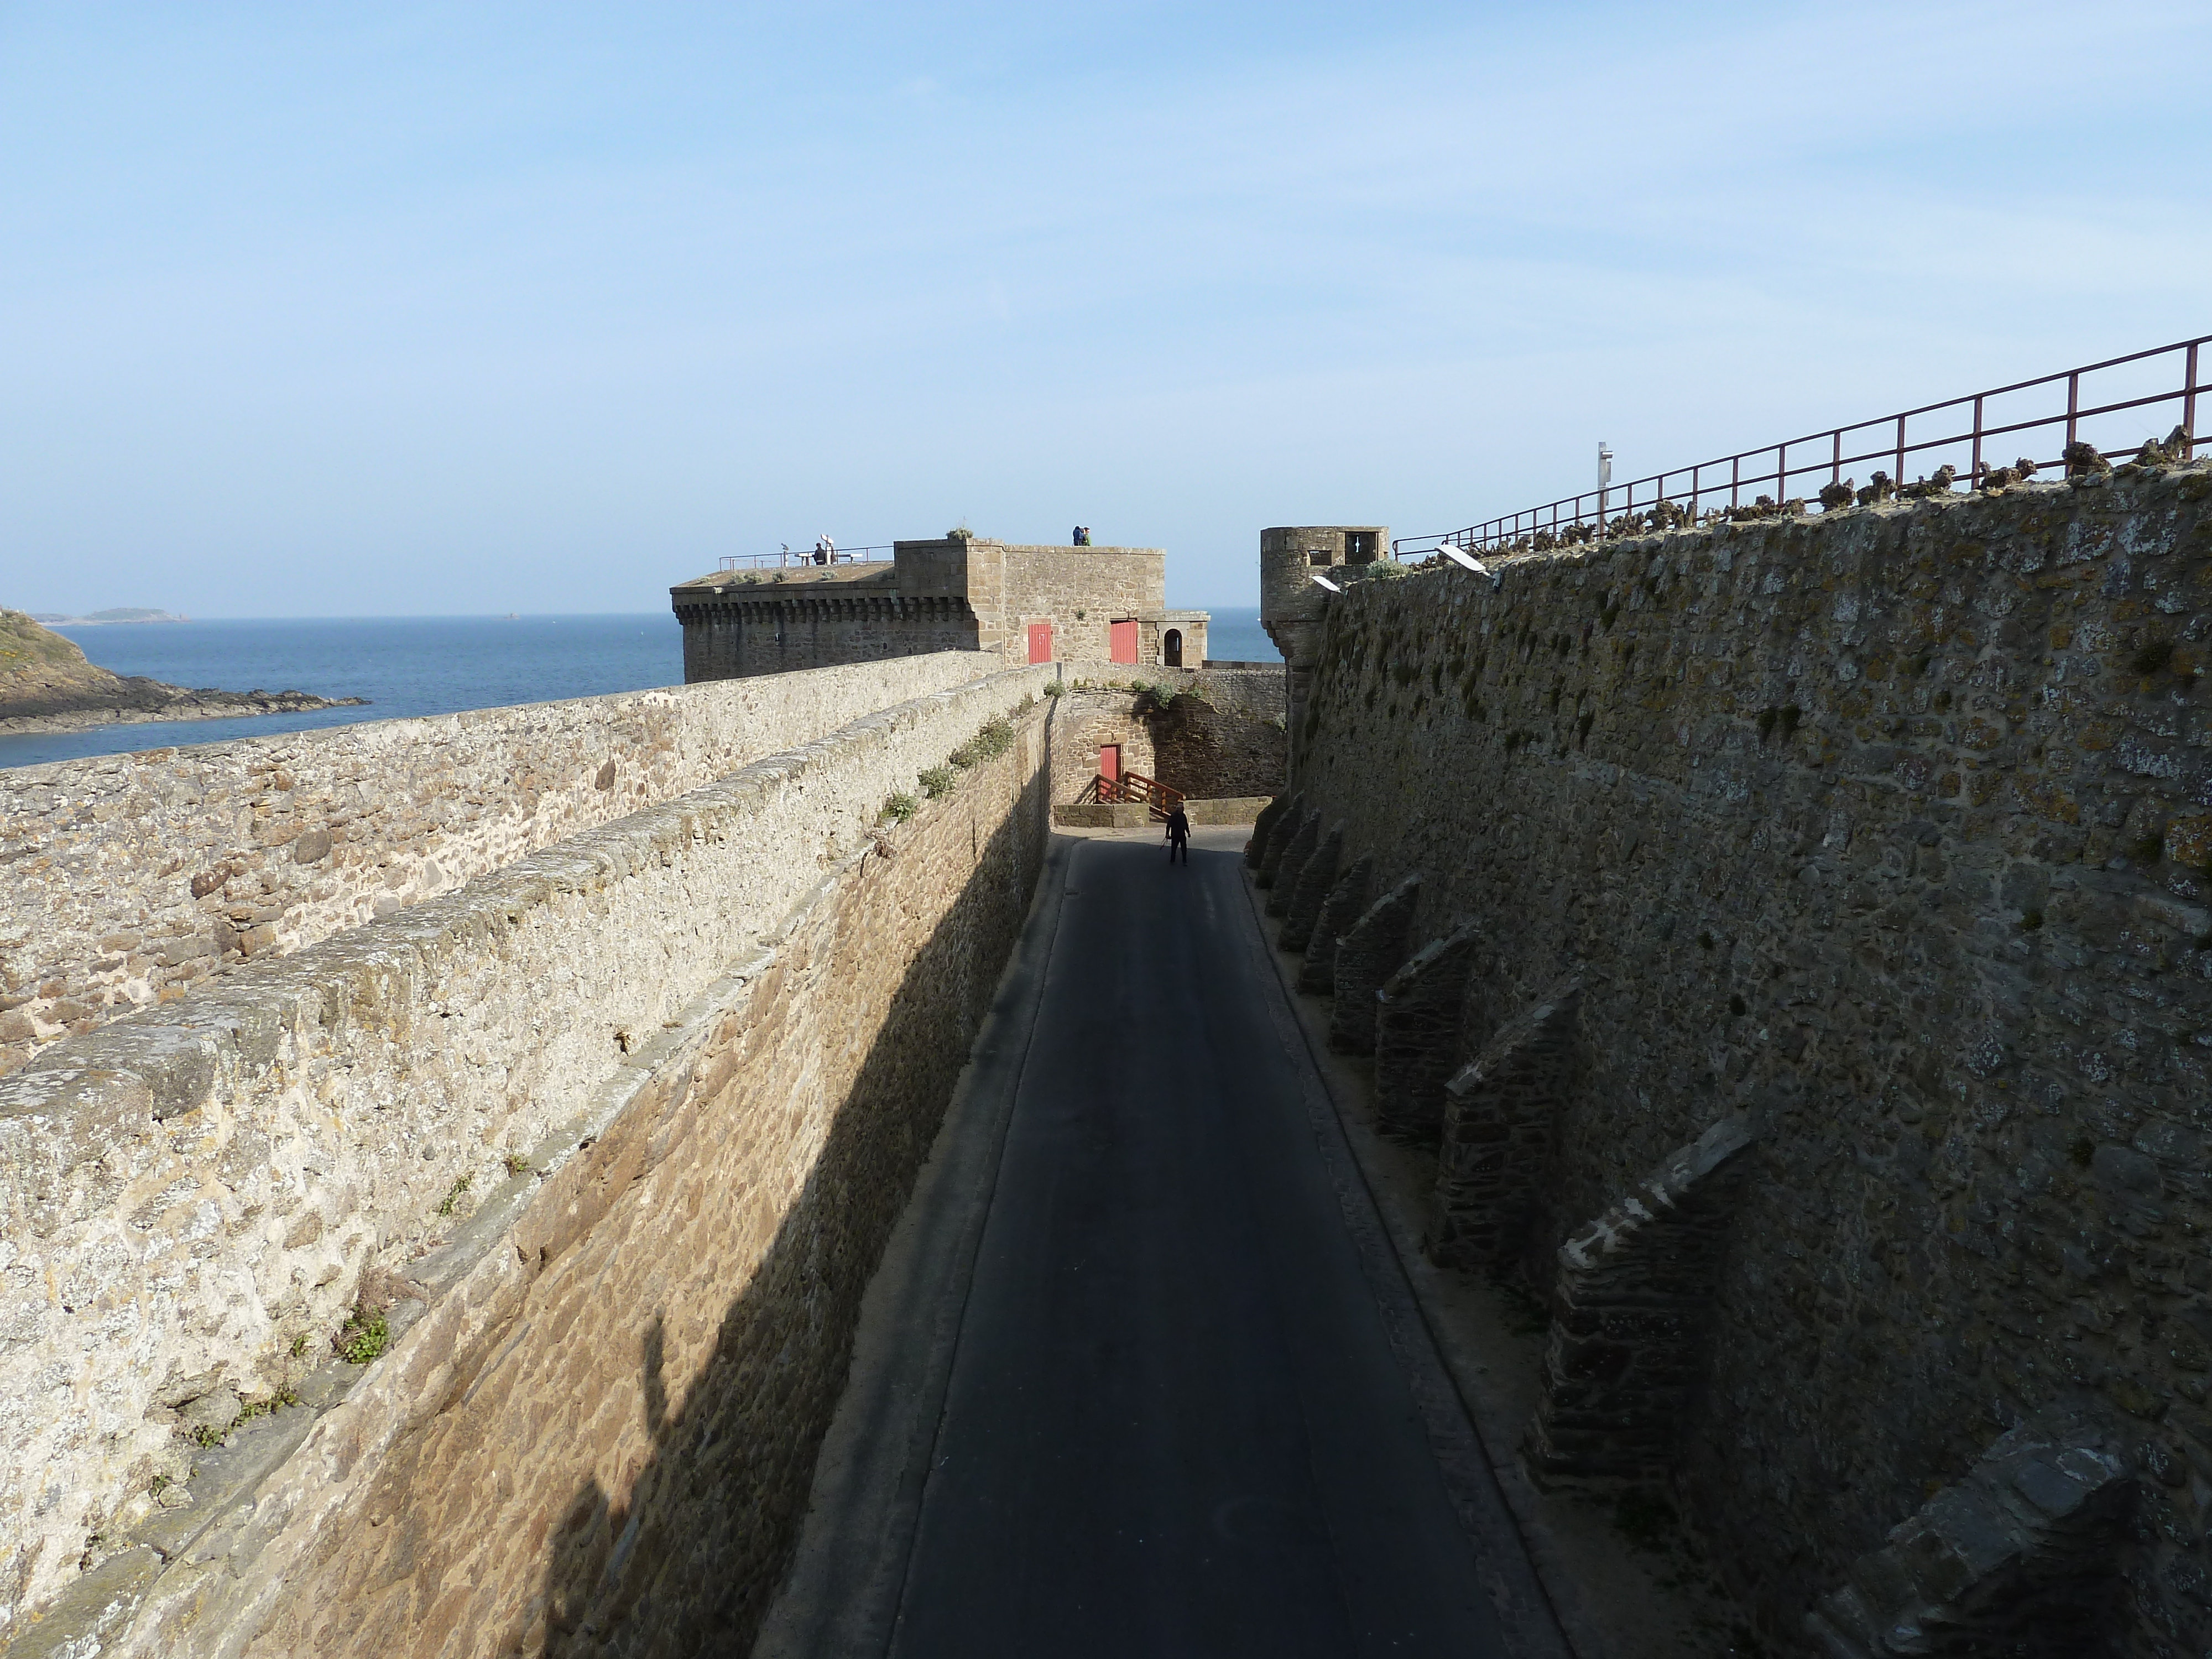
[1173, 1422]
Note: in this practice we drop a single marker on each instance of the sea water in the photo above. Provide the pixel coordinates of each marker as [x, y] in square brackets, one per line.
[407, 666]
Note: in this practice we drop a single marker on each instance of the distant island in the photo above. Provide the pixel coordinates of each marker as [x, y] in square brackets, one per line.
[46, 685]
[121, 613]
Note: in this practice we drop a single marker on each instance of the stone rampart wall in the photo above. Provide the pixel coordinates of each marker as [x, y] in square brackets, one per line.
[1889, 829]
[1211, 733]
[1079, 590]
[130, 877]
[1223, 735]
[756, 629]
[1088, 720]
[193, 1197]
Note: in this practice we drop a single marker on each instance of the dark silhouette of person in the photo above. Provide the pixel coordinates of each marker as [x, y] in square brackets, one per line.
[1178, 834]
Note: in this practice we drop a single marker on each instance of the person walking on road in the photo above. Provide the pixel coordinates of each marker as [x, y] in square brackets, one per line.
[1178, 834]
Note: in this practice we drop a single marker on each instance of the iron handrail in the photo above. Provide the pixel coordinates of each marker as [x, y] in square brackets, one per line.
[1596, 507]
[803, 555]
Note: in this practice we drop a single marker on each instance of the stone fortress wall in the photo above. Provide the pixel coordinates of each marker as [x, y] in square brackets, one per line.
[604, 1144]
[130, 878]
[1214, 733]
[951, 594]
[1795, 940]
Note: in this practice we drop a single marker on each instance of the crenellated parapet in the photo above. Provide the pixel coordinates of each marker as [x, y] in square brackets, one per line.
[1021, 602]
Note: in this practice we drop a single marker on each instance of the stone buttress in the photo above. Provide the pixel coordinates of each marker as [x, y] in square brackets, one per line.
[1500, 1117]
[1368, 953]
[1417, 1034]
[1630, 1313]
[1316, 877]
[1294, 859]
[1346, 899]
[2015, 1559]
[1279, 837]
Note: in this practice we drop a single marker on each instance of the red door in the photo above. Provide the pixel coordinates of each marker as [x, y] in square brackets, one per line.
[1040, 641]
[1124, 642]
[1109, 762]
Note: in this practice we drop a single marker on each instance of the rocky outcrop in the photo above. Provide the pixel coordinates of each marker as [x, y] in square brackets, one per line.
[46, 685]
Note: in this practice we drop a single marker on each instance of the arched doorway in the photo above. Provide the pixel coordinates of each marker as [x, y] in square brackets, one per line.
[1171, 648]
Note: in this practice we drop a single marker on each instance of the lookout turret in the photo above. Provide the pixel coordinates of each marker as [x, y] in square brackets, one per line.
[1290, 602]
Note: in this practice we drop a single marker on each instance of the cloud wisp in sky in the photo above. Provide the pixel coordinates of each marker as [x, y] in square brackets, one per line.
[541, 308]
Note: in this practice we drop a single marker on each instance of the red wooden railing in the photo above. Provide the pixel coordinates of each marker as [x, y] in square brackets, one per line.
[1134, 787]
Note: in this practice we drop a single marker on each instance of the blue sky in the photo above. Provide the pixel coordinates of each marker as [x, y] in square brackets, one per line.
[320, 311]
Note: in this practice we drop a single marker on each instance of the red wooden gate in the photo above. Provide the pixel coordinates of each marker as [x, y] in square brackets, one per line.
[1040, 642]
[1124, 646]
[1109, 762]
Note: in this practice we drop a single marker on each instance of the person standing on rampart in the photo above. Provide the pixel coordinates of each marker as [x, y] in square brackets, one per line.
[1178, 834]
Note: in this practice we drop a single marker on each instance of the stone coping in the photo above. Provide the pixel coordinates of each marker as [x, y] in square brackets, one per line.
[134, 877]
[459, 1288]
[147, 1169]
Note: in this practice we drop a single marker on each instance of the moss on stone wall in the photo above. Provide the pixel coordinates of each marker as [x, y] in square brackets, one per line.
[1891, 828]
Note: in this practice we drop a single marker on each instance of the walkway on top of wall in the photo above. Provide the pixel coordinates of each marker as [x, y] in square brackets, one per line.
[1139, 1373]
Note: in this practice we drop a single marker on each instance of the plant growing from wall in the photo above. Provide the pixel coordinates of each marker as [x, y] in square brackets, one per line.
[936, 780]
[454, 1196]
[900, 806]
[1056, 689]
[995, 738]
[363, 1337]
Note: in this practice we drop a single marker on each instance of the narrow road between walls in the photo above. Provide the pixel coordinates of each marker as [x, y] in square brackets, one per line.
[1139, 1375]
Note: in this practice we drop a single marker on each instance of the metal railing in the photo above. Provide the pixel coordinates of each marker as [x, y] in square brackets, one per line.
[1966, 428]
[805, 556]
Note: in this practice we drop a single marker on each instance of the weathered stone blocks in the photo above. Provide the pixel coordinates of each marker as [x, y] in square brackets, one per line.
[203, 855]
[1280, 834]
[1894, 821]
[1295, 855]
[1367, 953]
[1630, 1312]
[1347, 899]
[1316, 877]
[1255, 849]
[2016, 1558]
[1500, 1121]
[223, 1176]
[1416, 1018]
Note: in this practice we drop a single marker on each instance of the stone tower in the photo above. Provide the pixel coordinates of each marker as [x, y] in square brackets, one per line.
[1291, 603]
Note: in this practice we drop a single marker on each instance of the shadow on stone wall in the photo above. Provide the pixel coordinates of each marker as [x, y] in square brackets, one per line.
[691, 1561]
[621, 1466]
[1215, 751]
